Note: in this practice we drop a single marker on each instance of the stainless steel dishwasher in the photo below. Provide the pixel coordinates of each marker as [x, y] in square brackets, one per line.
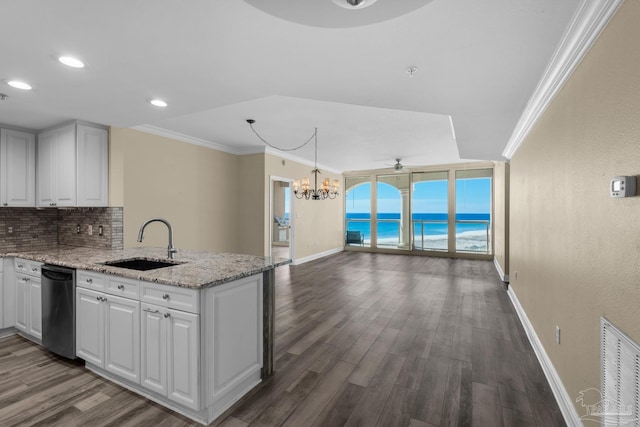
[59, 310]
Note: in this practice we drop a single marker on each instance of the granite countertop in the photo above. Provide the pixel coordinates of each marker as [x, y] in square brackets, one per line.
[198, 269]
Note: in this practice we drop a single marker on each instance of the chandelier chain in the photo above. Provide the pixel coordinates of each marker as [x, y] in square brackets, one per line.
[285, 149]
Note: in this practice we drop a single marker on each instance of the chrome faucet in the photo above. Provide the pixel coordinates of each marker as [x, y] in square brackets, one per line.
[170, 250]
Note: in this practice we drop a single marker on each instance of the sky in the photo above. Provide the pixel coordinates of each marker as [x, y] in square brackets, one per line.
[472, 196]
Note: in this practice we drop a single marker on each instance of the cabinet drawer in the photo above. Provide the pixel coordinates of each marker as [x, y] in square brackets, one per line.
[184, 299]
[123, 287]
[90, 280]
[32, 268]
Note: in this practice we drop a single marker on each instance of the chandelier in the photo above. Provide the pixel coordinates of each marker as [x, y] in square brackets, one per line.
[303, 190]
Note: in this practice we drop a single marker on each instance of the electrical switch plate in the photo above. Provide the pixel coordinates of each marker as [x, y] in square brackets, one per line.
[100, 231]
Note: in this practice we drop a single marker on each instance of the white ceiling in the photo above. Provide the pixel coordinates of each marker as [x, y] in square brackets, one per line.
[291, 65]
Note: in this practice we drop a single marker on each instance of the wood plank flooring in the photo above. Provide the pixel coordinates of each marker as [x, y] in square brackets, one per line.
[361, 340]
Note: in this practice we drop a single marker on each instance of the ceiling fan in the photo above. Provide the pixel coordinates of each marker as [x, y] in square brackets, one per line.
[399, 167]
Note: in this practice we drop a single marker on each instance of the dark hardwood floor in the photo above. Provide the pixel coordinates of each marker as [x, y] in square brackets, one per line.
[361, 340]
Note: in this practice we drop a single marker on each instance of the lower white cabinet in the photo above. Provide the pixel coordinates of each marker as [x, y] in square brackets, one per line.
[196, 351]
[170, 353]
[108, 332]
[28, 298]
[2, 295]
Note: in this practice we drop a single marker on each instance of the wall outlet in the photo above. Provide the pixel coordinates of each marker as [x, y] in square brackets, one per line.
[10, 230]
[90, 230]
[78, 229]
[557, 334]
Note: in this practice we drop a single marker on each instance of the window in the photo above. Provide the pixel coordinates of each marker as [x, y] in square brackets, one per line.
[358, 211]
[392, 218]
[473, 210]
[430, 206]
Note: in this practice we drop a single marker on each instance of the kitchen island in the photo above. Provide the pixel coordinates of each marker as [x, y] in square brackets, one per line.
[194, 336]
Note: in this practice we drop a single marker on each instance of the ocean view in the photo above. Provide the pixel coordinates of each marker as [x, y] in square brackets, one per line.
[430, 230]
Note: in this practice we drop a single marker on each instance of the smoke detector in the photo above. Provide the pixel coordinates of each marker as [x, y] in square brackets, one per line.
[354, 4]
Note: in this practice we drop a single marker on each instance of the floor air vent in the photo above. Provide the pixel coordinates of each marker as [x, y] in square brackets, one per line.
[620, 404]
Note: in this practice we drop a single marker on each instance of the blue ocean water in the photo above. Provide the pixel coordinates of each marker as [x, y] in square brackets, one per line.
[435, 224]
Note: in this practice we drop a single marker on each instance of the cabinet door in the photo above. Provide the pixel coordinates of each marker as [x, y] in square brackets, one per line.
[183, 356]
[35, 307]
[90, 326]
[22, 299]
[65, 166]
[93, 173]
[18, 162]
[45, 183]
[2, 297]
[153, 349]
[122, 334]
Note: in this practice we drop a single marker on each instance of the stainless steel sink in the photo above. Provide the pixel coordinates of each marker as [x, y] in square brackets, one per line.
[142, 264]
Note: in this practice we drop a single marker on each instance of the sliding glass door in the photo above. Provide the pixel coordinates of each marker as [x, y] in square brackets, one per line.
[473, 210]
[429, 211]
[392, 219]
[358, 211]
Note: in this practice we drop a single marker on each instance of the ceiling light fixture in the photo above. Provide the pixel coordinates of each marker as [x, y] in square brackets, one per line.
[19, 85]
[158, 103]
[354, 4]
[70, 61]
[304, 190]
[411, 70]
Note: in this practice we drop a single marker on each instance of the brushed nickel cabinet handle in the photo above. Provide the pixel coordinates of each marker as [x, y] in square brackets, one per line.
[165, 296]
[121, 287]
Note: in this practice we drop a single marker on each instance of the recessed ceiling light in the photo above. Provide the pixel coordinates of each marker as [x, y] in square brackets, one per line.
[71, 62]
[158, 103]
[19, 85]
[354, 4]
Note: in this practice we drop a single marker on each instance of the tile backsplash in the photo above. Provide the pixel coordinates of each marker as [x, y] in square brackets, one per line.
[24, 229]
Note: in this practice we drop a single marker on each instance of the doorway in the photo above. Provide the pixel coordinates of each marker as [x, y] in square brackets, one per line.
[281, 218]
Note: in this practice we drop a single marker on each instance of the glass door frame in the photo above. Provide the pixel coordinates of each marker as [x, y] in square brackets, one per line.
[451, 206]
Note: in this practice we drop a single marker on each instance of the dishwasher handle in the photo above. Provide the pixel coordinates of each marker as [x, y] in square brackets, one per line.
[56, 275]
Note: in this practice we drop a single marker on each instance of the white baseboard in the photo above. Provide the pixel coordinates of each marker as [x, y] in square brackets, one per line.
[565, 402]
[319, 255]
[503, 277]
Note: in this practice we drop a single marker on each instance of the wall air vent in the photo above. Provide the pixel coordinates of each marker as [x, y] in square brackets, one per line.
[620, 358]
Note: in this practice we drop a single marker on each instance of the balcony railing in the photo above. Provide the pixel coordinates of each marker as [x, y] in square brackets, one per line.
[438, 244]
[473, 241]
[477, 241]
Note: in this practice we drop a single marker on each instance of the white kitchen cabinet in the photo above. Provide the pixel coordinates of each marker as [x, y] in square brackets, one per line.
[28, 298]
[2, 297]
[170, 353]
[72, 165]
[35, 307]
[89, 326]
[22, 301]
[17, 168]
[108, 332]
[8, 293]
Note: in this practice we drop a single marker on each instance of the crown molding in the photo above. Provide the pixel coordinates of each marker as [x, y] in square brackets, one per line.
[586, 25]
[188, 139]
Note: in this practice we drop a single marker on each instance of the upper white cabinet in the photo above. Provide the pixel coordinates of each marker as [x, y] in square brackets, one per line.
[72, 167]
[17, 168]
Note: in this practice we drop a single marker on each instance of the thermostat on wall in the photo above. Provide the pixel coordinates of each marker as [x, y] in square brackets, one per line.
[623, 186]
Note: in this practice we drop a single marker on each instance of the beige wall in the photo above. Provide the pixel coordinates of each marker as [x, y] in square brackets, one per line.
[318, 225]
[215, 201]
[252, 198]
[574, 248]
[192, 187]
[501, 215]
